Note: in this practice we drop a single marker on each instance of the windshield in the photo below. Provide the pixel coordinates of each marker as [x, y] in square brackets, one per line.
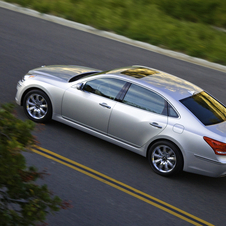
[207, 109]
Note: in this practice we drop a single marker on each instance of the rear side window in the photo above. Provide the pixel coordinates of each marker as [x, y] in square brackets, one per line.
[145, 99]
[207, 109]
[172, 112]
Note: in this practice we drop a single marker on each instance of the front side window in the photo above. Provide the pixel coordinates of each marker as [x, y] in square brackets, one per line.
[106, 87]
[145, 99]
[207, 109]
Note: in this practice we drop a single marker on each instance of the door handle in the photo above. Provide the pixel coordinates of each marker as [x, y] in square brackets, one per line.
[155, 124]
[105, 105]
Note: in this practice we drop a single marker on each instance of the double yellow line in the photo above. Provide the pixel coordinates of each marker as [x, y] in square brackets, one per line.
[122, 187]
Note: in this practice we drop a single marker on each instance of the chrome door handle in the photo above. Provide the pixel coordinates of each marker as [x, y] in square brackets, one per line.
[105, 105]
[155, 124]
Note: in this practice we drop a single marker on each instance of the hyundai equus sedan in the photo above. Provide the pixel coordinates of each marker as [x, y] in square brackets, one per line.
[174, 123]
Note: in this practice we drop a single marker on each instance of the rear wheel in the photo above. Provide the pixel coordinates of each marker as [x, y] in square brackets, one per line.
[165, 158]
[37, 106]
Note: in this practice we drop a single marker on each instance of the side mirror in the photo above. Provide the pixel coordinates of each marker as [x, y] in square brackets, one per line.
[78, 86]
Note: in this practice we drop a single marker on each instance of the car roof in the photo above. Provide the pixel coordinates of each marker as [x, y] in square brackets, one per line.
[159, 81]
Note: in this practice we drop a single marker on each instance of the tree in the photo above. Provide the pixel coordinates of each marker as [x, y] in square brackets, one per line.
[22, 202]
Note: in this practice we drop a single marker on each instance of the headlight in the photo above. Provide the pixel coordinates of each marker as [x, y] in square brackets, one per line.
[26, 77]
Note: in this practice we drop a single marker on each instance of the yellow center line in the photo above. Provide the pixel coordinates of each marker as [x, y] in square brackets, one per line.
[122, 187]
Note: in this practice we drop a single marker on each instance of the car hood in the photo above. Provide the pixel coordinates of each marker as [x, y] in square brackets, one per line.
[64, 72]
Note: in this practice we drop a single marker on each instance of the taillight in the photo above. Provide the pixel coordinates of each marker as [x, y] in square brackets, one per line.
[218, 147]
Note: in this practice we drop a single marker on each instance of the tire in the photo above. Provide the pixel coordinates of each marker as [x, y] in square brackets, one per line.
[37, 106]
[165, 158]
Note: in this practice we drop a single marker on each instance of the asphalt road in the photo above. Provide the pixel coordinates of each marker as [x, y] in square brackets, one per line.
[26, 43]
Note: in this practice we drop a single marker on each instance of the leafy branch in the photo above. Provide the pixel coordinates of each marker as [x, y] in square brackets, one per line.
[22, 202]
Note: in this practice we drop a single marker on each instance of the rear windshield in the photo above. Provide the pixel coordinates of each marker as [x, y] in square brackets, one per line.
[207, 109]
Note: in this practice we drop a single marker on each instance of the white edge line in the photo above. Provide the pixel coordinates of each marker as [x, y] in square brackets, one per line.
[113, 36]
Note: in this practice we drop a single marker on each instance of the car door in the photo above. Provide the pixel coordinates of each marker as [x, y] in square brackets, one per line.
[141, 115]
[91, 106]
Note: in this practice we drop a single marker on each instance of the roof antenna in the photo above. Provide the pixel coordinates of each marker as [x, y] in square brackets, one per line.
[192, 92]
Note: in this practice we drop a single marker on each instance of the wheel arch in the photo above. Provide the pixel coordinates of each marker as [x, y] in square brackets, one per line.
[30, 89]
[36, 88]
[164, 139]
[44, 92]
[158, 166]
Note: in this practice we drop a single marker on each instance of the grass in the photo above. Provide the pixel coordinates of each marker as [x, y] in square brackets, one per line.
[181, 25]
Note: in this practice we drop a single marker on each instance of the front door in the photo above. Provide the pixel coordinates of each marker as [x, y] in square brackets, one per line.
[92, 105]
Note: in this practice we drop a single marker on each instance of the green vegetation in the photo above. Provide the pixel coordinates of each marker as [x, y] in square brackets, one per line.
[199, 11]
[22, 202]
[180, 25]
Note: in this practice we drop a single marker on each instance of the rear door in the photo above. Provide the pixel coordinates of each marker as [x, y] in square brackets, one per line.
[141, 115]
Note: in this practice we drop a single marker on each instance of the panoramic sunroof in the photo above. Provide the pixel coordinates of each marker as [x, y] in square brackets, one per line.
[139, 72]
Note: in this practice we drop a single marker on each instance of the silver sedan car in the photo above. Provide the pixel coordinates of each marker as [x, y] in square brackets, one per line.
[174, 123]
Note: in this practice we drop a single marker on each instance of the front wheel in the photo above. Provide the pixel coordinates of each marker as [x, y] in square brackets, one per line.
[37, 106]
[165, 158]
